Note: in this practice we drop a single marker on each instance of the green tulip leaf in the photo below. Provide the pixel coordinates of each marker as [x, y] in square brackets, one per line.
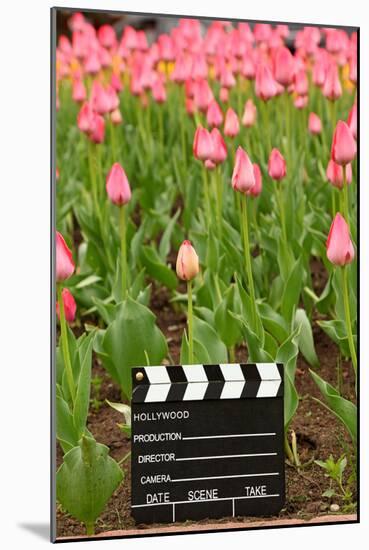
[306, 339]
[343, 409]
[86, 481]
[127, 341]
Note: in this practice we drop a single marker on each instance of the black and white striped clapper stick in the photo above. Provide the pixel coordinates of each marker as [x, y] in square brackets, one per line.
[207, 441]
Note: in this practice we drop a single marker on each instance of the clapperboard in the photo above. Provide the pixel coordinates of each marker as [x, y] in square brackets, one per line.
[207, 441]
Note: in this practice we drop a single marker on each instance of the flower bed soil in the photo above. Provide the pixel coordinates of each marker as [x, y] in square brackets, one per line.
[318, 432]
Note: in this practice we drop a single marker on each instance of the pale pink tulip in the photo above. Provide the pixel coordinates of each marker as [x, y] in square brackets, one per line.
[243, 178]
[343, 145]
[276, 165]
[340, 250]
[117, 185]
[70, 306]
[64, 261]
[231, 123]
[187, 265]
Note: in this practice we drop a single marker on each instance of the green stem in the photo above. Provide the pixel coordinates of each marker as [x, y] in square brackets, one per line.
[288, 450]
[123, 250]
[334, 210]
[346, 304]
[231, 353]
[90, 528]
[281, 210]
[207, 197]
[248, 257]
[126, 456]
[345, 197]
[65, 346]
[190, 323]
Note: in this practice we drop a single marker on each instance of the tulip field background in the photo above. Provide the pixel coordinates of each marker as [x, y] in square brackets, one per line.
[159, 125]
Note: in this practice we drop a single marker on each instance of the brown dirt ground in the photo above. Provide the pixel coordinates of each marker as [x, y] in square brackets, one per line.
[318, 432]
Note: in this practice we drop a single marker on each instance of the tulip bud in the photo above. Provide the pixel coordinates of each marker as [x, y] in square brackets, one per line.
[64, 261]
[187, 266]
[224, 95]
[340, 250]
[85, 117]
[343, 145]
[352, 120]
[214, 115]
[158, 91]
[219, 149]
[79, 91]
[249, 114]
[332, 88]
[70, 306]
[209, 164]
[97, 129]
[301, 101]
[315, 124]
[116, 117]
[231, 124]
[284, 66]
[256, 189]
[276, 165]
[265, 85]
[334, 174]
[243, 178]
[117, 185]
[202, 144]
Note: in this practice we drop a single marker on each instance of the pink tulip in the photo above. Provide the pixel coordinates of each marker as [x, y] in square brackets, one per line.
[249, 114]
[219, 149]
[257, 187]
[187, 265]
[343, 145]
[227, 80]
[231, 124]
[97, 129]
[319, 73]
[332, 88]
[334, 174]
[79, 91]
[70, 306]
[116, 117]
[315, 124]
[117, 185]
[100, 100]
[340, 250]
[243, 178]
[158, 91]
[116, 82]
[301, 83]
[203, 94]
[85, 118]
[276, 165]
[106, 36]
[248, 67]
[301, 102]
[224, 95]
[284, 66]
[352, 120]
[112, 97]
[265, 85]
[92, 63]
[209, 164]
[64, 261]
[214, 115]
[202, 144]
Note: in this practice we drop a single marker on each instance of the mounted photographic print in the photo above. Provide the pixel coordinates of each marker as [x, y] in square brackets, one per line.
[205, 255]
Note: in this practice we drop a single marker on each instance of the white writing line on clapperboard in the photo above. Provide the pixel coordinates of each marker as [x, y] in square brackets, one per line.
[202, 501]
[236, 476]
[227, 435]
[223, 456]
